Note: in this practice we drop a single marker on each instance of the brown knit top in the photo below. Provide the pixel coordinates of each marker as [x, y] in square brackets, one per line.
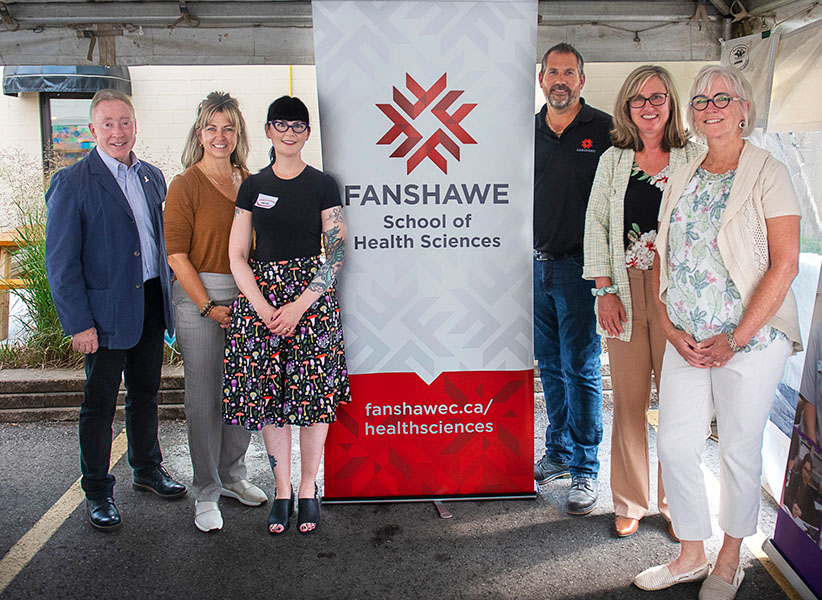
[198, 221]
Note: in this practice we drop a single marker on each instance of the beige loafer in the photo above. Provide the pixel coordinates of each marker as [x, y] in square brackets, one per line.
[716, 588]
[660, 577]
[207, 516]
[244, 491]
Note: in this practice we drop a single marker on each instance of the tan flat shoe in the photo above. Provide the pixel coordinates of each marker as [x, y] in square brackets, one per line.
[660, 577]
[716, 588]
[625, 526]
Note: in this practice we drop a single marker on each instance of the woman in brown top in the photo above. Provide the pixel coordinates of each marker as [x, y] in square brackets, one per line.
[198, 215]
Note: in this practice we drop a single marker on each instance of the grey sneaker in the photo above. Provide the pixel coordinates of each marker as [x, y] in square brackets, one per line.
[547, 470]
[582, 497]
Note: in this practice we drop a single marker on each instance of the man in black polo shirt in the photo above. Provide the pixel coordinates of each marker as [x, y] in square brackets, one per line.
[570, 137]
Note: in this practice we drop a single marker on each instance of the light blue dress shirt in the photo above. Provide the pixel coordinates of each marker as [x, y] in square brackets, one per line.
[128, 178]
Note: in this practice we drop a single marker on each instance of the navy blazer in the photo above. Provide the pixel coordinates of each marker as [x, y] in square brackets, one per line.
[93, 252]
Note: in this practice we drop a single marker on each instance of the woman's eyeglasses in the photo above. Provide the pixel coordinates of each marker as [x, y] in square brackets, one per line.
[639, 101]
[720, 100]
[283, 126]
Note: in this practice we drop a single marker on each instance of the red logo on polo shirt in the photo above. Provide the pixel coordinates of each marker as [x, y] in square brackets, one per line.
[413, 138]
[587, 143]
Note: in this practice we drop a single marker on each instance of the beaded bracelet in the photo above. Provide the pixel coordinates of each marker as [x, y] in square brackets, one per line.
[207, 308]
[611, 289]
[732, 343]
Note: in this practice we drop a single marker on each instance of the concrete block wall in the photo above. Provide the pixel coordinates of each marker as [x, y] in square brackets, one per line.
[20, 153]
[166, 97]
[603, 80]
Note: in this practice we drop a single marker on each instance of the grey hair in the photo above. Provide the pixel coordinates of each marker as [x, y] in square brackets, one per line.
[108, 95]
[738, 86]
[563, 48]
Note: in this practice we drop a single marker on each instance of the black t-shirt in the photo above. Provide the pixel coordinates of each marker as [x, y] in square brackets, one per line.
[642, 199]
[286, 213]
[564, 169]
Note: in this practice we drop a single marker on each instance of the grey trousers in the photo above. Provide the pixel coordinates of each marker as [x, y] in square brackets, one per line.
[217, 450]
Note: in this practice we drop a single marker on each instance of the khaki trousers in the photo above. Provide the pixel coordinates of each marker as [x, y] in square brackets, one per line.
[631, 366]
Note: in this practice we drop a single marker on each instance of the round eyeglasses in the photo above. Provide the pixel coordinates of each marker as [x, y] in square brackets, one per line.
[655, 100]
[720, 100]
[283, 126]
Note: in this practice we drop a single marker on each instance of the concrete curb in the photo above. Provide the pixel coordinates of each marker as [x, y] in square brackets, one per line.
[31, 395]
[34, 395]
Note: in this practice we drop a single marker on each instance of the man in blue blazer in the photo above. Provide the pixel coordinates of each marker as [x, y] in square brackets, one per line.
[110, 281]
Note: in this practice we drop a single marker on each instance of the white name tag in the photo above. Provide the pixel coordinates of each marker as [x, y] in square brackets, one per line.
[264, 201]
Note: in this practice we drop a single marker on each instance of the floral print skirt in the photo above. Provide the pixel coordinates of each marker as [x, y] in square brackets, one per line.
[274, 380]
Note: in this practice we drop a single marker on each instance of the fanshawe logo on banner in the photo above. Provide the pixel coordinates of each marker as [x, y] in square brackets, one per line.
[424, 100]
[434, 153]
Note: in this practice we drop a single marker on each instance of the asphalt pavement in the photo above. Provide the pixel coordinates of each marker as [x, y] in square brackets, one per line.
[517, 549]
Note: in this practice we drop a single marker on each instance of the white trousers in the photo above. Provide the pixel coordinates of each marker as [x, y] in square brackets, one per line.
[741, 393]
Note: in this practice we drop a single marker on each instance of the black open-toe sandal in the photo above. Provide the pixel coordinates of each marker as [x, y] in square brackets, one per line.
[309, 512]
[280, 514]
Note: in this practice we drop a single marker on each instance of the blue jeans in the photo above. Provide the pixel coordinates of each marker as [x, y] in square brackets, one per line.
[567, 349]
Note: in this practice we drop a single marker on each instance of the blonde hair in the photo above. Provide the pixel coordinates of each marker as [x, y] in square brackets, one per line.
[217, 102]
[625, 133]
[738, 86]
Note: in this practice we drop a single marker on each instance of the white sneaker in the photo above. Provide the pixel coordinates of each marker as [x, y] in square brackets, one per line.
[207, 516]
[244, 491]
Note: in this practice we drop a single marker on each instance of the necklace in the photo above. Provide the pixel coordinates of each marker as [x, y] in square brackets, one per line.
[557, 130]
[217, 181]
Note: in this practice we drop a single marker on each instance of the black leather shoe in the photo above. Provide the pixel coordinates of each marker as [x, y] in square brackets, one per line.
[103, 513]
[159, 482]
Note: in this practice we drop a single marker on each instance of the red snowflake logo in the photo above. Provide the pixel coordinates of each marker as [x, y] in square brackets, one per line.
[587, 143]
[402, 126]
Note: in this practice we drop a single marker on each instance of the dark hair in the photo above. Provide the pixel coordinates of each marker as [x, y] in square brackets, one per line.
[286, 108]
[563, 48]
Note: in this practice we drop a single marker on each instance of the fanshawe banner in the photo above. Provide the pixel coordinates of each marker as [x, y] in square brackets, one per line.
[427, 125]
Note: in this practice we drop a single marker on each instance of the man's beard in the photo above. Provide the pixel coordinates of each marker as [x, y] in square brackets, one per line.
[570, 97]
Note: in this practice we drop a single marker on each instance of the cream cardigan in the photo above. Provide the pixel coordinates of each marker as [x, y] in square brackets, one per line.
[762, 189]
[604, 242]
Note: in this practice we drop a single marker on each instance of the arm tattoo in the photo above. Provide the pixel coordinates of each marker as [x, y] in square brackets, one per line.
[334, 250]
[335, 215]
[237, 212]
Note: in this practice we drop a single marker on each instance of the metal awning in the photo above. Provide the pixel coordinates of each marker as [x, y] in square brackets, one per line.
[85, 79]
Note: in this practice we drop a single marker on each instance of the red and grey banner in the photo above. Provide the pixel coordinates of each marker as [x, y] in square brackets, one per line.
[426, 111]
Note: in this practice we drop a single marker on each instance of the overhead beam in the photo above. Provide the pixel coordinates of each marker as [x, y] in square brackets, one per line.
[160, 14]
[280, 32]
[635, 11]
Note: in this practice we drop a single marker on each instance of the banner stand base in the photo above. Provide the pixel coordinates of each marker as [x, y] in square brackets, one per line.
[435, 499]
[443, 512]
[785, 568]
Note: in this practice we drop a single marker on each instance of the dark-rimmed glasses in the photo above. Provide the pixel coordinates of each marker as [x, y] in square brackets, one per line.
[639, 101]
[283, 126]
[720, 100]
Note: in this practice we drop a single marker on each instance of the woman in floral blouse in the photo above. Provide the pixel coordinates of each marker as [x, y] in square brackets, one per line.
[649, 141]
[728, 250]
